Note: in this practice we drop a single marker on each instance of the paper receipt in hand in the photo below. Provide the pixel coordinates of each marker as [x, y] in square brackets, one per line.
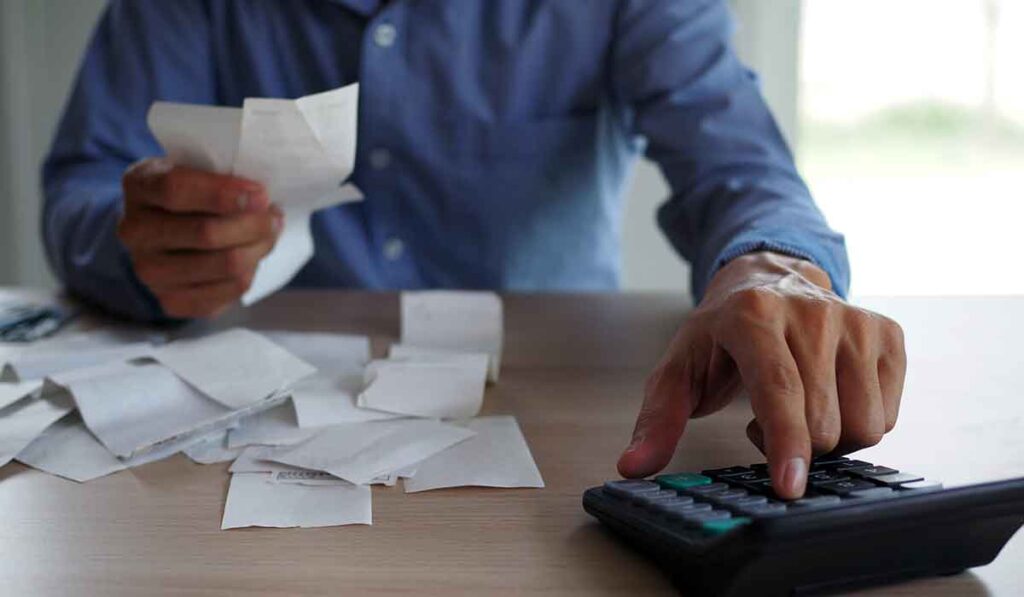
[302, 150]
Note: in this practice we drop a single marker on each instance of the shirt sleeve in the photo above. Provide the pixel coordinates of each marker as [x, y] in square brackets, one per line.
[735, 188]
[141, 51]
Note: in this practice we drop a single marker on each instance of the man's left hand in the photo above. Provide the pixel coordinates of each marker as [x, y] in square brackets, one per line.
[823, 376]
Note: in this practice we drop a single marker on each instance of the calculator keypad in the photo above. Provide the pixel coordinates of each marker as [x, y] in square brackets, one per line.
[717, 501]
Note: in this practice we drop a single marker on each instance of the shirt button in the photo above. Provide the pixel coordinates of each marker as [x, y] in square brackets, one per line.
[393, 249]
[384, 35]
[380, 158]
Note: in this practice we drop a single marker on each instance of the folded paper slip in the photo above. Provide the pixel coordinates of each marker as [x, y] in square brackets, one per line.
[26, 419]
[133, 408]
[360, 452]
[236, 368]
[301, 150]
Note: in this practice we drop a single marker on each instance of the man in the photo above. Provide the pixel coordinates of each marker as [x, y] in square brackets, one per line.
[495, 140]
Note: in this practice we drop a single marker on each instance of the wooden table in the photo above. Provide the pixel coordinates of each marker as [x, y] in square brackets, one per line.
[572, 374]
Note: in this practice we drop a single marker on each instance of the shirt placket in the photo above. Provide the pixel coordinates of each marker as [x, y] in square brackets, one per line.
[379, 93]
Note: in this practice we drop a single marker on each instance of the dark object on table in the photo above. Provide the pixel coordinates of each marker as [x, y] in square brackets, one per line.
[26, 322]
[723, 531]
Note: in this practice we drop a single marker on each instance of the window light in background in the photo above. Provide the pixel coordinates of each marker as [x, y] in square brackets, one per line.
[912, 139]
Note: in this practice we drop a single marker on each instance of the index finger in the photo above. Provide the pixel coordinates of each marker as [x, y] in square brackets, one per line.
[773, 381]
[180, 189]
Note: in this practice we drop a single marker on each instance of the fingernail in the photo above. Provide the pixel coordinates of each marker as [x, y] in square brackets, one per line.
[278, 223]
[794, 477]
[243, 201]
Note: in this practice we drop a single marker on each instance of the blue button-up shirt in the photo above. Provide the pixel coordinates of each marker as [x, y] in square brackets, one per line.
[496, 137]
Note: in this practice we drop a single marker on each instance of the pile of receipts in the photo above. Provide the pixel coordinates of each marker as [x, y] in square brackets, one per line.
[308, 420]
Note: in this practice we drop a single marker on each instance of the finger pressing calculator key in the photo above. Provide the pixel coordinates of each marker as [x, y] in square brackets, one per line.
[724, 532]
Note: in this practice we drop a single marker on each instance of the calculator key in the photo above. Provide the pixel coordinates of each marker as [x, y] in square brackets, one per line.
[818, 501]
[828, 460]
[706, 490]
[729, 495]
[764, 510]
[843, 487]
[682, 480]
[649, 498]
[679, 511]
[842, 466]
[749, 500]
[747, 477]
[824, 476]
[721, 472]
[763, 487]
[897, 479]
[680, 501]
[630, 488]
[873, 493]
[719, 527]
[925, 485]
[699, 518]
[872, 471]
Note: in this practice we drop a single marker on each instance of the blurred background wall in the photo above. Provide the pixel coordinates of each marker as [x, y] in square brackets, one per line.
[907, 117]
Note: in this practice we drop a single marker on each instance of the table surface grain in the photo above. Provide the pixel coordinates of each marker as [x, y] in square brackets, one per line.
[572, 374]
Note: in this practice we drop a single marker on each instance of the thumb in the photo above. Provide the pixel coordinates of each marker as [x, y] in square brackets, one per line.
[668, 403]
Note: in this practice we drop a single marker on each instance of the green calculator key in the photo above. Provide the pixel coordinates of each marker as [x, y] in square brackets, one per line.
[718, 527]
[682, 480]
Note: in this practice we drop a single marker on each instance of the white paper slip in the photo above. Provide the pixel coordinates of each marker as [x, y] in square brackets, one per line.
[68, 357]
[203, 137]
[131, 407]
[323, 400]
[25, 420]
[212, 450]
[301, 150]
[67, 449]
[446, 390]
[253, 459]
[274, 427]
[294, 247]
[497, 456]
[11, 392]
[254, 501]
[417, 354]
[237, 367]
[462, 321]
[331, 354]
[360, 452]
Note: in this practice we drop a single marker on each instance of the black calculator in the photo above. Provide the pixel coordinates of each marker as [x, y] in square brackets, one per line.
[724, 532]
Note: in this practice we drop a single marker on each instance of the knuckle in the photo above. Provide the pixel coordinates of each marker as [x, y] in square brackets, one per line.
[757, 303]
[864, 437]
[176, 304]
[207, 232]
[242, 283]
[236, 264]
[779, 378]
[824, 432]
[124, 231]
[823, 441]
[147, 271]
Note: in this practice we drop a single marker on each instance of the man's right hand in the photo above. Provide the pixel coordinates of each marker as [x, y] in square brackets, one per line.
[195, 238]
